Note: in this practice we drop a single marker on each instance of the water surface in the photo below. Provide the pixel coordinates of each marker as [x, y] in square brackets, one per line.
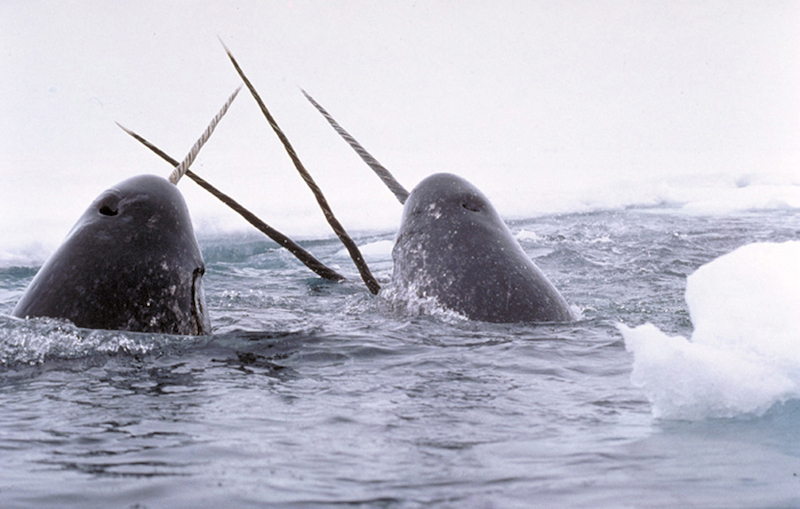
[313, 393]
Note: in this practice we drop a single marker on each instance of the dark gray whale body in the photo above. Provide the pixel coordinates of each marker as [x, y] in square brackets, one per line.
[454, 247]
[131, 262]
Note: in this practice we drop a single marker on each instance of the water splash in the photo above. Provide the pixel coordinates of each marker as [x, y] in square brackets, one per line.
[34, 341]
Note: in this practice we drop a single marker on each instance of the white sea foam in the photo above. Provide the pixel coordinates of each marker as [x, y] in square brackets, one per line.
[525, 235]
[36, 340]
[743, 356]
[378, 250]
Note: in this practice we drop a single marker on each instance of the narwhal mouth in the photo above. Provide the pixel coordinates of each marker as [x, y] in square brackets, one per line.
[200, 321]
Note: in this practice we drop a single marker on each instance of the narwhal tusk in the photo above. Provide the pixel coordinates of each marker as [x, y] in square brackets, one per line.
[183, 167]
[338, 229]
[301, 254]
[394, 186]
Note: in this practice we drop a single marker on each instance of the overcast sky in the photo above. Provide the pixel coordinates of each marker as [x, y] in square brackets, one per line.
[526, 99]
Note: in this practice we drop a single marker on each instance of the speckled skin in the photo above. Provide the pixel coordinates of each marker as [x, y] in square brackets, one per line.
[131, 262]
[452, 246]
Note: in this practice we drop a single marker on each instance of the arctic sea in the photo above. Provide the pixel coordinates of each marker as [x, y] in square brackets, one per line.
[314, 394]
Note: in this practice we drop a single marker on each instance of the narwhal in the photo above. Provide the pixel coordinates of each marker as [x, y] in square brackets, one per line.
[131, 262]
[453, 247]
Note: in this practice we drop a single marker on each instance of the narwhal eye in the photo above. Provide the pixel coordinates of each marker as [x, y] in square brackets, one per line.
[109, 205]
[107, 210]
[472, 203]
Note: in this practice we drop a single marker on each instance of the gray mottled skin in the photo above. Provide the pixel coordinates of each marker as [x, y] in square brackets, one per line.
[453, 246]
[131, 262]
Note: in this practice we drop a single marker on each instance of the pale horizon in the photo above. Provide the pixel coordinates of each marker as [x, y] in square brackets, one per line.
[546, 106]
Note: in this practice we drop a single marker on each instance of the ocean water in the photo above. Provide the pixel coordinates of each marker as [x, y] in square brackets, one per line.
[312, 393]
